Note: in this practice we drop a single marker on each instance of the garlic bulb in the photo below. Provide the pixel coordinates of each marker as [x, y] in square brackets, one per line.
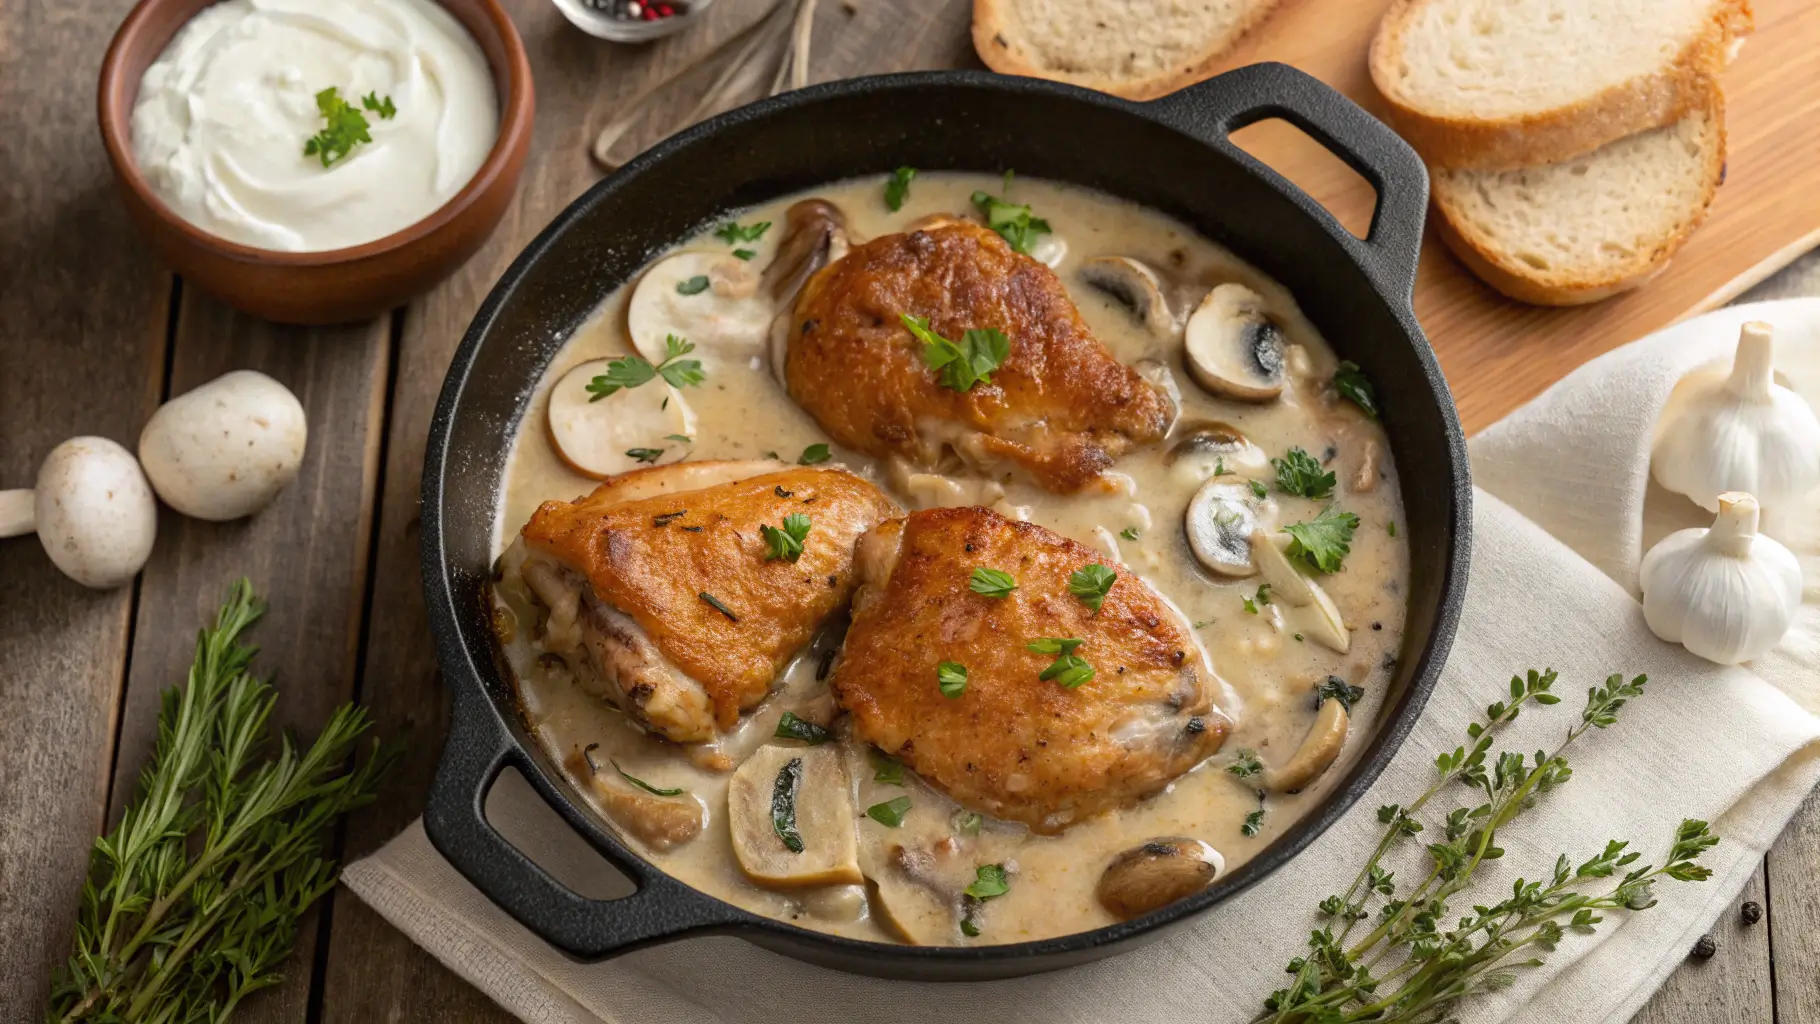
[1738, 431]
[1726, 593]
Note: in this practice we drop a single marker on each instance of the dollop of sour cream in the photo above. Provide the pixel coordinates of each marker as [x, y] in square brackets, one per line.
[223, 115]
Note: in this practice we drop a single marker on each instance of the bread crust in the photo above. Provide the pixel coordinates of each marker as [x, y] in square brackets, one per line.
[1544, 137]
[996, 40]
[1522, 282]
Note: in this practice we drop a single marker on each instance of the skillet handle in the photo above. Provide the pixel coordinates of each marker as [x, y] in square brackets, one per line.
[1212, 110]
[478, 749]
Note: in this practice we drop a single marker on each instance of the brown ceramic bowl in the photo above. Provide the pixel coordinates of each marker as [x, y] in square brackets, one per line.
[340, 284]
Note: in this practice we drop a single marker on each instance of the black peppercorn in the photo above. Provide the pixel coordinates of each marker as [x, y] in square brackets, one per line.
[1706, 947]
[1751, 912]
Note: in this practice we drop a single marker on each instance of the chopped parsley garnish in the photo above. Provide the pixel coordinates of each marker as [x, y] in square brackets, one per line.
[1391, 528]
[989, 880]
[783, 804]
[1012, 222]
[642, 784]
[744, 254]
[951, 676]
[714, 603]
[814, 455]
[1246, 764]
[890, 813]
[635, 371]
[1257, 488]
[1219, 468]
[344, 126]
[684, 438]
[646, 455]
[733, 234]
[693, 286]
[1129, 533]
[1253, 822]
[968, 822]
[1069, 670]
[960, 365]
[1056, 645]
[897, 189]
[991, 582]
[382, 107]
[1090, 583]
[886, 769]
[1339, 689]
[786, 543]
[1264, 594]
[1298, 473]
[791, 727]
[1325, 540]
[1350, 382]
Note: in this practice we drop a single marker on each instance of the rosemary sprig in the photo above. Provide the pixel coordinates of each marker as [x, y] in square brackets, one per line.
[192, 901]
[1409, 968]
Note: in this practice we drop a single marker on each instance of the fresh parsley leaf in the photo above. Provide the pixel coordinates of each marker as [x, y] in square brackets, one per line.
[951, 676]
[1250, 605]
[645, 455]
[684, 438]
[1246, 764]
[897, 189]
[693, 286]
[969, 928]
[383, 108]
[1350, 382]
[783, 804]
[786, 543]
[968, 822]
[744, 254]
[1253, 822]
[733, 234]
[642, 784]
[886, 769]
[1257, 489]
[1324, 541]
[814, 455]
[1264, 594]
[1054, 645]
[1129, 533]
[991, 582]
[890, 813]
[1335, 688]
[636, 371]
[960, 365]
[1391, 528]
[1298, 473]
[344, 127]
[791, 727]
[989, 880]
[1069, 670]
[1219, 468]
[1012, 222]
[1090, 583]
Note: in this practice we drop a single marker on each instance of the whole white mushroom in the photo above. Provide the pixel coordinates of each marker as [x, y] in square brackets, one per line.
[92, 509]
[225, 449]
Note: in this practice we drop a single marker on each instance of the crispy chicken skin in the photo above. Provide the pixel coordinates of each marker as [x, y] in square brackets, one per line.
[1060, 407]
[1013, 745]
[648, 552]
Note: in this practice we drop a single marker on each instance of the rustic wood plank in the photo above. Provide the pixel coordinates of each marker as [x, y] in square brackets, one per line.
[1793, 911]
[83, 318]
[306, 554]
[1733, 987]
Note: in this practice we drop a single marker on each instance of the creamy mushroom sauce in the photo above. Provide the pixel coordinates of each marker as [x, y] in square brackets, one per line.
[1269, 676]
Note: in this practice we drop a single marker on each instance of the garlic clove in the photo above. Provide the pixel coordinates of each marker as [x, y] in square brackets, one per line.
[1726, 593]
[1738, 430]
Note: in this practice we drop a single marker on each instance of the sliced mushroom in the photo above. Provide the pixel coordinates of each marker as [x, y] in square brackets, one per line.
[660, 822]
[815, 235]
[598, 438]
[705, 298]
[1049, 250]
[1156, 874]
[912, 901]
[1233, 346]
[1319, 749]
[1136, 286]
[1207, 445]
[1314, 613]
[792, 818]
[1221, 520]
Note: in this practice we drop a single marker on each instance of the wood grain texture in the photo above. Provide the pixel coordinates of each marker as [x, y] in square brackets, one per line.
[82, 333]
[1793, 912]
[1733, 986]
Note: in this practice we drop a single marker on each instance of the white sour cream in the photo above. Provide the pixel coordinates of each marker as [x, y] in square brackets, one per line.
[223, 114]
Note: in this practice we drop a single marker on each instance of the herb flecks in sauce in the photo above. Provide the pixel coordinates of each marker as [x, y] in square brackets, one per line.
[1299, 474]
[693, 285]
[890, 813]
[1245, 764]
[1335, 688]
[649, 456]
[636, 371]
[1012, 222]
[790, 727]
[886, 769]
[642, 784]
[783, 804]
[1324, 541]
[897, 188]
[815, 455]
[733, 233]
[1350, 382]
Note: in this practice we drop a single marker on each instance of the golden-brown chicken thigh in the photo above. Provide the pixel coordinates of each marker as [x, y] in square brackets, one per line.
[661, 581]
[1060, 406]
[1012, 744]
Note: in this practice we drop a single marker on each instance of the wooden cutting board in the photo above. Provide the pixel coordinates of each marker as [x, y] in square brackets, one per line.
[1498, 354]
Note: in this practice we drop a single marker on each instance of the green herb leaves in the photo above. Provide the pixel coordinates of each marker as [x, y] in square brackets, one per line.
[1350, 382]
[1335, 688]
[642, 784]
[1245, 764]
[814, 455]
[733, 234]
[960, 365]
[790, 727]
[1253, 822]
[1129, 533]
[951, 677]
[649, 456]
[890, 813]
[692, 286]
[636, 371]
[897, 188]
[1012, 222]
[344, 127]
[1068, 669]
[1324, 541]
[786, 543]
[1298, 473]
[991, 582]
[886, 769]
[989, 880]
[783, 804]
[1091, 583]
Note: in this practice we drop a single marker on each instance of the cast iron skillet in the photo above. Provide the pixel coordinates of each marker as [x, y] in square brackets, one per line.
[1172, 155]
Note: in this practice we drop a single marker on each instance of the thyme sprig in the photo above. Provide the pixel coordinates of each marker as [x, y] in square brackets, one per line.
[192, 902]
[1409, 968]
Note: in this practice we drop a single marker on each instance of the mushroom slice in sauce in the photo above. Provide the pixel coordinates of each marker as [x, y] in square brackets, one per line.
[621, 431]
[815, 235]
[788, 797]
[660, 822]
[709, 299]
[912, 901]
[1233, 347]
[1319, 749]
[1157, 874]
[1136, 286]
[1220, 523]
[1208, 446]
[1313, 612]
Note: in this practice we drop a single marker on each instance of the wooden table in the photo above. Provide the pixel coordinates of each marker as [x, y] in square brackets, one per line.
[94, 333]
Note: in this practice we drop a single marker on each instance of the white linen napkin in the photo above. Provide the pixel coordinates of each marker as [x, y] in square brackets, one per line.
[1561, 518]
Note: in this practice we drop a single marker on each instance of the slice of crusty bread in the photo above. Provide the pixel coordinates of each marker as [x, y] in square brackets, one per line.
[1515, 83]
[1138, 49]
[1589, 227]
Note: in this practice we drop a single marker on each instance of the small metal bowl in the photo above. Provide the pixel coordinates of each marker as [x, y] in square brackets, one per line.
[602, 25]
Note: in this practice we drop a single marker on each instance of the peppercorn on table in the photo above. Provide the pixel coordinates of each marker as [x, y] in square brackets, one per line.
[94, 333]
